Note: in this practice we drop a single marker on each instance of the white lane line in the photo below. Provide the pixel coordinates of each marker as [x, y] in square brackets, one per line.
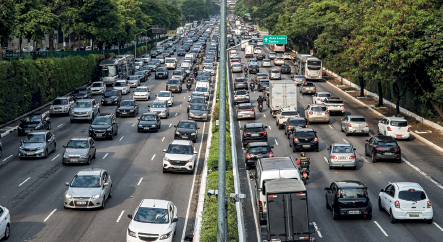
[59, 125]
[133, 124]
[170, 125]
[365, 160]
[121, 138]
[316, 229]
[330, 126]
[276, 141]
[438, 184]
[24, 182]
[7, 157]
[253, 208]
[184, 97]
[119, 217]
[176, 114]
[345, 141]
[153, 157]
[264, 115]
[105, 156]
[180, 105]
[53, 211]
[193, 184]
[326, 160]
[55, 157]
[141, 179]
[438, 226]
[378, 225]
[269, 127]
[163, 139]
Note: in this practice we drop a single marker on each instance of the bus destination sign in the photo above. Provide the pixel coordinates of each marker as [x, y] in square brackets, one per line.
[275, 39]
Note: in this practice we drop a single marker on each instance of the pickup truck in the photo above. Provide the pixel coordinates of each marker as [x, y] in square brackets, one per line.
[335, 105]
[307, 87]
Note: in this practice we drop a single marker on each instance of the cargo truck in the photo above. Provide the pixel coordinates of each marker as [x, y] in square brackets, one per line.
[171, 62]
[244, 43]
[249, 51]
[282, 94]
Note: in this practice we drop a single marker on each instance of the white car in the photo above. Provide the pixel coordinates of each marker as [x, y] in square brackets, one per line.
[153, 220]
[267, 63]
[319, 97]
[5, 221]
[166, 96]
[287, 56]
[209, 69]
[278, 61]
[123, 86]
[275, 74]
[405, 200]
[284, 115]
[180, 156]
[142, 93]
[257, 50]
[396, 127]
[138, 65]
[98, 87]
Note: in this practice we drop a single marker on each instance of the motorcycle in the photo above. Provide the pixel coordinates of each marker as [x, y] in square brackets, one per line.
[304, 170]
[189, 85]
[252, 86]
[260, 107]
[246, 73]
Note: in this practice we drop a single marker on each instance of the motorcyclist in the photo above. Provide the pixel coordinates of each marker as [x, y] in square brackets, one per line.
[260, 100]
[252, 85]
[303, 157]
[196, 71]
[189, 83]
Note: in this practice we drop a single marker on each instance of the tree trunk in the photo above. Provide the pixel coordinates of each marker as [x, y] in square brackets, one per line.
[380, 94]
[78, 41]
[20, 45]
[69, 39]
[362, 86]
[51, 42]
[433, 102]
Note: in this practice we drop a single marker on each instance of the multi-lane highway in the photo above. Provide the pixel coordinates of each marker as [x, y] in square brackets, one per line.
[33, 189]
[420, 164]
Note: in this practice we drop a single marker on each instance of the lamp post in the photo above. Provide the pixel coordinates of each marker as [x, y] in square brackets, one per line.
[135, 45]
[189, 17]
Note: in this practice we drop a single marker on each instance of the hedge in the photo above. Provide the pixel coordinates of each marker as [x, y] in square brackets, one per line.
[27, 84]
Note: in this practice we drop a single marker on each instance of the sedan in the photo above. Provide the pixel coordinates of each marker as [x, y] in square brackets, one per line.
[142, 93]
[127, 108]
[266, 63]
[37, 144]
[279, 61]
[209, 69]
[341, 155]
[143, 75]
[237, 68]
[90, 188]
[287, 56]
[275, 74]
[319, 97]
[34, 122]
[149, 122]
[166, 96]
[134, 81]
[152, 66]
[159, 107]
[245, 110]
[198, 111]
[354, 124]
[111, 97]
[147, 71]
[186, 129]
[261, 56]
[79, 150]
[285, 69]
[241, 96]
[255, 151]
[272, 55]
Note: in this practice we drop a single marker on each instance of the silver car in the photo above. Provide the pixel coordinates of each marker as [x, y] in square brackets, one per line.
[209, 69]
[61, 105]
[279, 61]
[37, 144]
[166, 96]
[275, 74]
[319, 97]
[123, 86]
[245, 110]
[272, 55]
[84, 109]
[283, 115]
[266, 63]
[180, 156]
[354, 124]
[241, 96]
[134, 81]
[298, 79]
[98, 87]
[159, 107]
[198, 111]
[178, 74]
[307, 87]
[341, 155]
[79, 150]
[90, 188]
[237, 68]
[316, 113]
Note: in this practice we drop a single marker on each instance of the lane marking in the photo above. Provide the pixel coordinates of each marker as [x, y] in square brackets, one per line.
[180, 105]
[24, 181]
[184, 97]
[53, 211]
[176, 114]
[264, 115]
[121, 138]
[119, 217]
[105, 156]
[276, 141]
[365, 160]
[55, 157]
[253, 207]
[59, 125]
[7, 157]
[330, 126]
[345, 141]
[163, 139]
[316, 229]
[378, 225]
[269, 127]
[141, 179]
[170, 125]
[133, 124]
[326, 160]
[153, 157]
[438, 184]
[438, 226]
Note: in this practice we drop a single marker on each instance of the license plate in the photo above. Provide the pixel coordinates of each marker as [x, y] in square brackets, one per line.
[124, 113]
[30, 153]
[108, 102]
[146, 128]
[414, 215]
[387, 153]
[306, 146]
[74, 160]
[185, 137]
[398, 136]
[342, 157]
[98, 135]
[27, 131]
[80, 203]
[353, 212]
[255, 135]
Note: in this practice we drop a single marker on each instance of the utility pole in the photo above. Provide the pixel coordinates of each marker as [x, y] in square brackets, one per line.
[222, 200]
[135, 45]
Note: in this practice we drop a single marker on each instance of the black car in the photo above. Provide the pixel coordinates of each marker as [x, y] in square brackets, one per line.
[153, 53]
[348, 198]
[262, 84]
[254, 132]
[294, 123]
[260, 56]
[241, 83]
[149, 122]
[255, 151]
[382, 147]
[104, 126]
[186, 129]
[186, 47]
[174, 85]
[301, 139]
[82, 93]
[34, 122]
[181, 52]
[253, 69]
[146, 69]
[161, 72]
[127, 108]
[143, 75]
[196, 99]
[111, 97]
[285, 69]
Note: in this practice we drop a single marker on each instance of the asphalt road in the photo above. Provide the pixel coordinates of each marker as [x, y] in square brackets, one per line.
[33, 189]
[420, 164]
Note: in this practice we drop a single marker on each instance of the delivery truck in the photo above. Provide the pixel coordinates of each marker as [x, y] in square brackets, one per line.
[282, 94]
[249, 51]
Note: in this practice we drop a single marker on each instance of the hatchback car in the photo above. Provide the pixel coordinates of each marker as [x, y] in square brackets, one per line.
[298, 79]
[79, 150]
[279, 61]
[98, 87]
[245, 110]
[82, 93]
[127, 108]
[287, 56]
[149, 122]
[166, 96]
[159, 107]
[354, 124]
[134, 81]
[396, 127]
[316, 113]
[142, 93]
[85, 109]
[111, 97]
[174, 85]
[180, 156]
[104, 126]
[5, 223]
[198, 111]
[254, 69]
[382, 147]
[34, 122]
[405, 201]
[303, 139]
[153, 220]
[285, 114]
[275, 74]
[241, 96]
[61, 105]
[195, 100]
[285, 69]
[348, 198]
[254, 132]
[161, 72]
[319, 97]
[90, 188]
[342, 155]
[186, 129]
[292, 124]
[237, 68]
[240, 83]
[272, 55]
[255, 151]
[37, 144]
[123, 86]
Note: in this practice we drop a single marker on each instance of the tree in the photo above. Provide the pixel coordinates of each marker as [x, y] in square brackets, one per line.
[195, 7]
[174, 15]
[7, 21]
[156, 11]
[134, 21]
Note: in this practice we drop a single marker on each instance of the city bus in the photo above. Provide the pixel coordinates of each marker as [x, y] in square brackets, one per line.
[116, 67]
[188, 26]
[195, 24]
[309, 66]
[278, 48]
[180, 30]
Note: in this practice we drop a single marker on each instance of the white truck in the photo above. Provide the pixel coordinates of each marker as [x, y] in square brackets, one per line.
[237, 23]
[249, 51]
[244, 43]
[190, 57]
[282, 94]
[171, 62]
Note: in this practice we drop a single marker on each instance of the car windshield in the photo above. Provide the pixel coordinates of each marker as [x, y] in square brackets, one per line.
[174, 82]
[198, 107]
[246, 107]
[387, 143]
[411, 195]
[151, 63]
[97, 84]
[180, 149]
[159, 57]
[133, 78]
[78, 144]
[101, 121]
[275, 71]
[294, 113]
[60, 101]
[178, 73]
[297, 122]
[34, 138]
[140, 73]
[254, 129]
[158, 105]
[141, 89]
[162, 69]
[261, 75]
[186, 125]
[148, 118]
[334, 101]
[164, 94]
[110, 93]
[80, 91]
[306, 134]
[264, 82]
[342, 149]
[127, 103]
[358, 120]
[260, 149]
[399, 123]
[82, 105]
[152, 215]
[120, 84]
[201, 89]
[195, 94]
[241, 92]
[318, 109]
[353, 193]
[86, 181]
[324, 95]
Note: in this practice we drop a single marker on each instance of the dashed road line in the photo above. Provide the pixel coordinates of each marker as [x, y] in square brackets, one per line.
[24, 181]
[153, 157]
[438, 226]
[438, 184]
[276, 141]
[55, 157]
[7, 158]
[133, 124]
[121, 138]
[59, 125]
[345, 141]
[326, 160]
[264, 115]
[140, 181]
[330, 126]
[378, 225]
[170, 125]
[269, 127]
[176, 114]
[105, 156]
[119, 217]
[316, 229]
[53, 211]
[163, 139]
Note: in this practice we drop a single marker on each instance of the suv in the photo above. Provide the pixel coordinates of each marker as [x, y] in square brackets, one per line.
[82, 93]
[241, 96]
[382, 147]
[61, 105]
[85, 109]
[257, 150]
[104, 126]
[316, 113]
[186, 129]
[123, 86]
[272, 55]
[254, 132]
[166, 96]
[34, 122]
[348, 198]
[285, 114]
[111, 97]
[301, 139]
[161, 72]
[98, 87]
[37, 144]
[180, 156]
[341, 155]
[285, 69]
[319, 97]
[396, 127]
[335, 105]
[307, 87]
[354, 124]
[79, 150]
[174, 85]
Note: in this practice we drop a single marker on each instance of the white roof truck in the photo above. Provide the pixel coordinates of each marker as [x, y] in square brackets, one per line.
[244, 43]
[171, 62]
[282, 94]
[249, 51]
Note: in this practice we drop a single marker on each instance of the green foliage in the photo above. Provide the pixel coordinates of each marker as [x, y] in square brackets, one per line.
[198, 8]
[7, 21]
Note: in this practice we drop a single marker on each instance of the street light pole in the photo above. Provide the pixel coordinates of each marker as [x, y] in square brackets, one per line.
[135, 45]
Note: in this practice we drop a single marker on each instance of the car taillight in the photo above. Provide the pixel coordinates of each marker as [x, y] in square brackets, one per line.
[351, 157]
[396, 149]
[306, 126]
[260, 205]
[235, 96]
[429, 204]
[367, 125]
[316, 139]
[349, 125]
[319, 99]
[327, 112]
[397, 204]
[311, 112]
[378, 148]
[295, 139]
[251, 110]
[289, 69]
[304, 88]
[334, 157]
[289, 127]
[389, 128]
[408, 129]
[263, 132]
[248, 156]
[271, 154]
[246, 81]
[327, 105]
[338, 193]
[246, 133]
[238, 111]
[281, 117]
[315, 88]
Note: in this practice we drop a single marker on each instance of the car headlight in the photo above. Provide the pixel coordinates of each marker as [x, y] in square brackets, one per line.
[190, 160]
[166, 159]
[132, 110]
[65, 108]
[65, 156]
[132, 233]
[50, 108]
[68, 196]
[153, 125]
[96, 196]
[194, 134]
[83, 156]
[86, 95]
[88, 112]
[115, 99]
[118, 110]
[176, 132]
[90, 129]
[166, 236]
[140, 126]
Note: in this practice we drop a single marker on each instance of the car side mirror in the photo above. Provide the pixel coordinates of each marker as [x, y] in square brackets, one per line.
[130, 216]
[67, 184]
[266, 127]
[311, 228]
[150, 105]
[354, 149]
[327, 189]
[327, 149]
[241, 128]
[64, 146]
[379, 121]
[366, 141]
[105, 184]
[272, 147]
[175, 220]
[382, 190]
[175, 126]
[164, 150]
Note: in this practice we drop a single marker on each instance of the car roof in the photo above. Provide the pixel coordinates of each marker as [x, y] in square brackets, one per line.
[90, 171]
[350, 184]
[321, 92]
[38, 132]
[408, 185]
[290, 119]
[155, 114]
[337, 98]
[256, 144]
[85, 100]
[262, 74]
[181, 142]
[288, 109]
[61, 98]
[244, 104]
[303, 130]
[384, 138]
[80, 138]
[300, 76]
[396, 118]
[318, 105]
[356, 116]
[186, 121]
[105, 114]
[341, 144]
[154, 203]
[254, 125]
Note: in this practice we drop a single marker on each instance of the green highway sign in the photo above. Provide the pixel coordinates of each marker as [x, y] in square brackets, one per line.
[275, 39]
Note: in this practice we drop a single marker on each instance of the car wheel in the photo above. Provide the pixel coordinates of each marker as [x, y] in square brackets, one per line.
[294, 149]
[373, 158]
[290, 142]
[327, 204]
[116, 131]
[110, 192]
[366, 153]
[164, 170]
[53, 150]
[64, 164]
[49, 126]
[7, 232]
[369, 216]
[391, 217]
[71, 120]
[103, 203]
[380, 207]
[46, 153]
[334, 215]
[430, 221]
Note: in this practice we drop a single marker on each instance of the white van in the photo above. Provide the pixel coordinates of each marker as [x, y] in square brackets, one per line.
[190, 57]
[171, 63]
[202, 87]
